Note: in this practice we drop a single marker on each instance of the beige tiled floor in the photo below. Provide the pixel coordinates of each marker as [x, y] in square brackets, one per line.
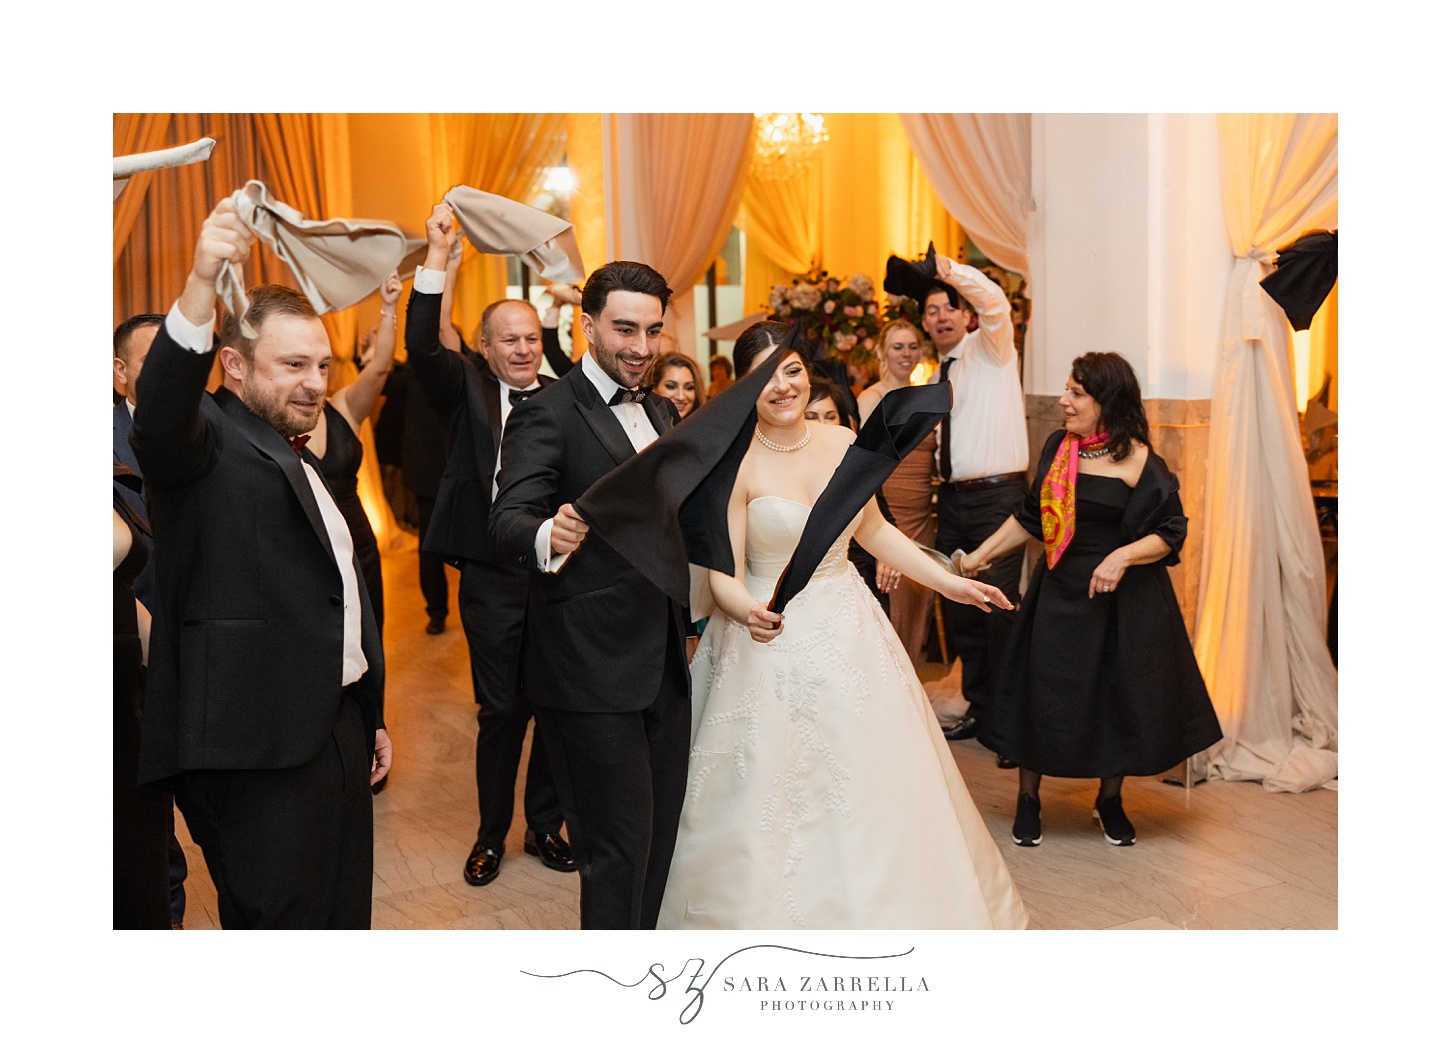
[1225, 856]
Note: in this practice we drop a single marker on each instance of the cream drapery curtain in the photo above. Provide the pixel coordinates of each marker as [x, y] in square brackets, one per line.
[679, 178]
[506, 153]
[980, 165]
[1260, 638]
[784, 218]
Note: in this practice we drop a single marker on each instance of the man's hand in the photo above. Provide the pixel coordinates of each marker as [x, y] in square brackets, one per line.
[455, 254]
[441, 236]
[382, 756]
[563, 293]
[224, 240]
[391, 290]
[568, 532]
[944, 267]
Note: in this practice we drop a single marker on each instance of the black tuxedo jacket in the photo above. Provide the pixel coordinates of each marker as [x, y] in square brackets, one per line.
[597, 632]
[247, 636]
[465, 393]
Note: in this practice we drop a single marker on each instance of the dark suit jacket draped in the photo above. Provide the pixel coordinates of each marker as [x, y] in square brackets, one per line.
[465, 393]
[246, 654]
[597, 631]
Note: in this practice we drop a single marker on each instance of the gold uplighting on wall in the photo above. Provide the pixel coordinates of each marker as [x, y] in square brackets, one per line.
[786, 142]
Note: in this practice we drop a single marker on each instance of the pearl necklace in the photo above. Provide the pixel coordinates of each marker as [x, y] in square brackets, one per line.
[1096, 454]
[775, 447]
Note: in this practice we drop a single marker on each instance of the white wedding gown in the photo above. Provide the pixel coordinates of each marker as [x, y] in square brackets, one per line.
[821, 792]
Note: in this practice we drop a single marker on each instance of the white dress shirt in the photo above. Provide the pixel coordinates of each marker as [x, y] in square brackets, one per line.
[638, 429]
[505, 408]
[355, 663]
[989, 430]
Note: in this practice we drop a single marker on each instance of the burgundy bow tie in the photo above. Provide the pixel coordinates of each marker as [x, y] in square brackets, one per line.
[298, 442]
[635, 395]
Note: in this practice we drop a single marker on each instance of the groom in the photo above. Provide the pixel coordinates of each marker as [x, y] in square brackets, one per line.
[604, 656]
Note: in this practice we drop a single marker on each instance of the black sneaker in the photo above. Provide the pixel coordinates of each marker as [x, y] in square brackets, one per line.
[1028, 825]
[1117, 829]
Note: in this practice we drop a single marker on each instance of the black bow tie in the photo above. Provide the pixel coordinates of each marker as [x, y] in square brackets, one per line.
[516, 396]
[637, 395]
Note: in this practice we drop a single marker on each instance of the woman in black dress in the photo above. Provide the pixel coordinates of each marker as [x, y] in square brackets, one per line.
[339, 451]
[1100, 679]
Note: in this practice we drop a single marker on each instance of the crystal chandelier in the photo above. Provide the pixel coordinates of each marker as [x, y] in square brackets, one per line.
[786, 142]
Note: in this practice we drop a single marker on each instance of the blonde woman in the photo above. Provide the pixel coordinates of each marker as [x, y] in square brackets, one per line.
[909, 490]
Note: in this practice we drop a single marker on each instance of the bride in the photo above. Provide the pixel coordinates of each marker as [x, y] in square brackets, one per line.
[821, 792]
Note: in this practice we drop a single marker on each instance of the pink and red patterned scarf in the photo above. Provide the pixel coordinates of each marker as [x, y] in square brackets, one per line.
[1059, 497]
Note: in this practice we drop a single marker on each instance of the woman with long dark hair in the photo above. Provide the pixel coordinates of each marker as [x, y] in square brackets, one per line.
[1099, 679]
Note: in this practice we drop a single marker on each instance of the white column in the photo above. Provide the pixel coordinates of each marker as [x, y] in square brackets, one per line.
[1128, 249]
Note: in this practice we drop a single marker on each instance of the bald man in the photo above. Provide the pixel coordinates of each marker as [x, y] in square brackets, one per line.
[474, 394]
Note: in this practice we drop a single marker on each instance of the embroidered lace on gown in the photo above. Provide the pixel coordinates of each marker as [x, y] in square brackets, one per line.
[821, 792]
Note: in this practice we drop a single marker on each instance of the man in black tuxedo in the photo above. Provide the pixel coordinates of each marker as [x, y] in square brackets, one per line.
[604, 649]
[265, 666]
[475, 396]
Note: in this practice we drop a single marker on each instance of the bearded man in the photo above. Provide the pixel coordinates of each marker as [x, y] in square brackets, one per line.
[262, 696]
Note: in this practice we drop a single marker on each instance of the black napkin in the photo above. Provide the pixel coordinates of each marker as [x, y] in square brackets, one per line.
[917, 279]
[1305, 275]
[686, 474]
[902, 419]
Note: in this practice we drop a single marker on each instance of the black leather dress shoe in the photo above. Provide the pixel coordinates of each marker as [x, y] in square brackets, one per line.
[963, 729]
[551, 849]
[435, 626]
[482, 865]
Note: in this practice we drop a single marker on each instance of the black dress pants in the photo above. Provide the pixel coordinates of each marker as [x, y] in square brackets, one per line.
[432, 580]
[622, 780]
[491, 600]
[290, 847]
[965, 519]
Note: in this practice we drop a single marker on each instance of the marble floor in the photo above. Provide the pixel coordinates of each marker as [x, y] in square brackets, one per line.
[1222, 856]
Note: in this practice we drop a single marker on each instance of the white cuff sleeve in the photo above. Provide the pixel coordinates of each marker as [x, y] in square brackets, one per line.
[188, 336]
[429, 280]
[542, 557]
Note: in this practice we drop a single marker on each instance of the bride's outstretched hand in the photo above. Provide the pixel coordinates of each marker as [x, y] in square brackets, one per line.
[763, 624]
[982, 595]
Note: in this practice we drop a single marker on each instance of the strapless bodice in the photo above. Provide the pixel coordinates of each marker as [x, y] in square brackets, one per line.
[773, 528]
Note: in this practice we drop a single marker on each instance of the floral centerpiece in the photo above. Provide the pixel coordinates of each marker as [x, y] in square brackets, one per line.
[842, 316]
